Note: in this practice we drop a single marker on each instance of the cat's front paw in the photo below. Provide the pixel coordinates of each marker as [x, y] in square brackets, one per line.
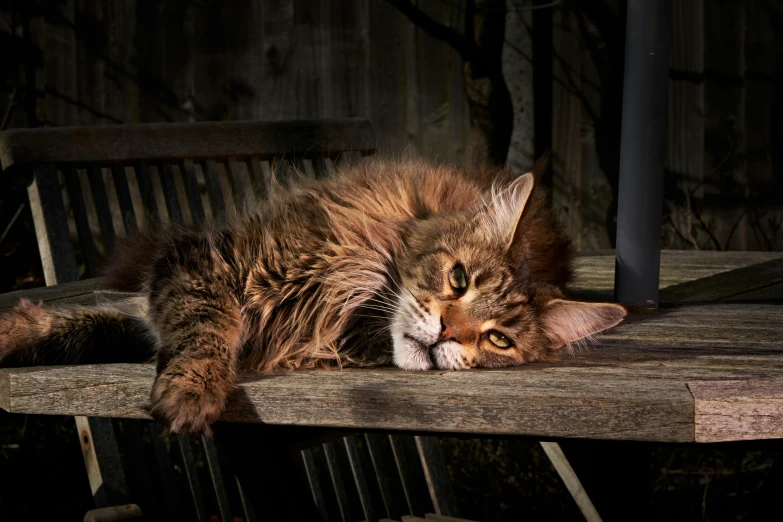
[188, 397]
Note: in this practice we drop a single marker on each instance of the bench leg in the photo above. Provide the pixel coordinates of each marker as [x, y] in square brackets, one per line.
[572, 482]
[102, 460]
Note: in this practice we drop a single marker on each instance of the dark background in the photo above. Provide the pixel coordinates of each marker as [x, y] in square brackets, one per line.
[503, 81]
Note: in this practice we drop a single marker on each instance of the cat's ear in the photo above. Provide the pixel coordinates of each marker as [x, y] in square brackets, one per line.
[568, 321]
[502, 215]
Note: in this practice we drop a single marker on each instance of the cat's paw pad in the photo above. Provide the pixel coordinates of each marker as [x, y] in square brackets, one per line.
[188, 398]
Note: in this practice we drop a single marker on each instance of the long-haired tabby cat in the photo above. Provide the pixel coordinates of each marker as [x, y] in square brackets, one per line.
[398, 261]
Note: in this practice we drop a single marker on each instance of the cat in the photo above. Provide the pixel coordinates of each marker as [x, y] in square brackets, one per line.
[387, 261]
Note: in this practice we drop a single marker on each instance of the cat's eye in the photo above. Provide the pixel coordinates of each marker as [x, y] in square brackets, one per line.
[498, 339]
[457, 278]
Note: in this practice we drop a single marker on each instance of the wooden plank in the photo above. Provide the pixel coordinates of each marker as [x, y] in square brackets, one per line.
[392, 492]
[138, 465]
[616, 404]
[216, 197]
[158, 142]
[52, 293]
[193, 193]
[341, 487]
[102, 460]
[409, 468]
[772, 292]
[357, 463]
[305, 166]
[275, 490]
[433, 463]
[316, 488]
[124, 198]
[247, 506]
[86, 240]
[51, 226]
[170, 192]
[100, 199]
[330, 510]
[323, 167]
[147, 192]
[443, 518]
[567, 475]
[257, 178]
[194, 482]
[726, 284]
[241, 184]
[738, 410]
[114, 514]
[218, 481]
[173, 509]
[594, 274]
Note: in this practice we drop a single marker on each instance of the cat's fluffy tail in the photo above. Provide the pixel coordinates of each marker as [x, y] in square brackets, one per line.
[37, 335]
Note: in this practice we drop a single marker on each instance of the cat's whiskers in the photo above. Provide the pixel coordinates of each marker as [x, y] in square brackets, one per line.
[384, 329]
[380, 309]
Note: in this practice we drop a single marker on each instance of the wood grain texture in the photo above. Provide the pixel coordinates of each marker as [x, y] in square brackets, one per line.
[174, 141]
[433, 462]
[738, 410]
[86, 241]
[632, 383]
[100, 199]
[114, 514]
[594, 272]
[571, 481]
[727, 284]
[102, 460]
[534, 400]
[51, 226]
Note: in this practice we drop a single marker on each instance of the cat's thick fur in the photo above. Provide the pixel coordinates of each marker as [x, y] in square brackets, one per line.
[328, 273]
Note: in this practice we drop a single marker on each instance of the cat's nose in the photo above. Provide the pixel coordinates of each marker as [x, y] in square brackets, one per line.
[448, 332]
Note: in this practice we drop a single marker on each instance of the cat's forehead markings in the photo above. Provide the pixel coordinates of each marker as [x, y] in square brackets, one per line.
[488, 325]
[469, 296]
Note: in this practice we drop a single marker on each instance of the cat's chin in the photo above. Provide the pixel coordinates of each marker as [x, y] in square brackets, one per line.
[411, 354]
[448, 355]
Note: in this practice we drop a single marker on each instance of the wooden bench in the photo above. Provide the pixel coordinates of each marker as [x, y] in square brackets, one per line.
[704, 367]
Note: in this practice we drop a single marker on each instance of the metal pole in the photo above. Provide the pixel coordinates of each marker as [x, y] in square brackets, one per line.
[642, 151]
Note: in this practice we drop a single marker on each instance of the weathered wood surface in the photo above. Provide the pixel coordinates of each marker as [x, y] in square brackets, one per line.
[174, 141]
[696, 372]
[738, 410]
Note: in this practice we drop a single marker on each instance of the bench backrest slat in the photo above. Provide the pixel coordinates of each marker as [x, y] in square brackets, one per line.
[188, 170]
[51, 225]
[175, 141]
[134, 175]
[124, 199]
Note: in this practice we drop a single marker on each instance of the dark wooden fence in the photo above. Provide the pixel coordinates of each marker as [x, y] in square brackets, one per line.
[96, 62]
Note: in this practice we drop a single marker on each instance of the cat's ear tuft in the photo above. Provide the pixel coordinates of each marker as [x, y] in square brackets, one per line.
[570, 321]
[501, 217]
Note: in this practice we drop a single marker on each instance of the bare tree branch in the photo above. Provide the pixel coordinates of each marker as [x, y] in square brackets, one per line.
[467, 49]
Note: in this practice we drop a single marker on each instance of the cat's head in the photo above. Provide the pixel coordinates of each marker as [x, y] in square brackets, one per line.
[484, 288]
